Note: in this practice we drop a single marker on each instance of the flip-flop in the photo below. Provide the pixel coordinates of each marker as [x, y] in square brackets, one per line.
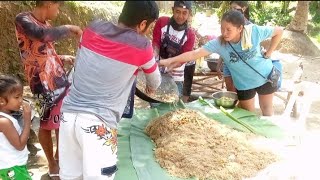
[53, 175]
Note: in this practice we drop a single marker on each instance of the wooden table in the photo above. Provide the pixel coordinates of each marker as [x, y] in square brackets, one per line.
[207, 81]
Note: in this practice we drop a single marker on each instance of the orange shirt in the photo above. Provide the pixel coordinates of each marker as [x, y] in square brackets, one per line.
[42, 66]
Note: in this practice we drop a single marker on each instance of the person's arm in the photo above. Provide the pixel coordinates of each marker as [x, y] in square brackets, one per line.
[151, 71]
[156, 51]
[153, 76]
[275, 40]
[185, 57]
[10, 132]
[36, 32]
[156, 37]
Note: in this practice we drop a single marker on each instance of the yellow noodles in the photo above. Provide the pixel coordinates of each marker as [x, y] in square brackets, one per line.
[188, 144]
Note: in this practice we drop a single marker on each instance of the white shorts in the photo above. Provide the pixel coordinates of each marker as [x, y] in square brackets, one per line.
[87, 148]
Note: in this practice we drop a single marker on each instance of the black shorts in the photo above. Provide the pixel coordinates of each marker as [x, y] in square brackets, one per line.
[188, 78]
[261, 90]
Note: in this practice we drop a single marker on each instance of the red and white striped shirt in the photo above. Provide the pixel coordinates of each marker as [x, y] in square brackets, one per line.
[159, 31]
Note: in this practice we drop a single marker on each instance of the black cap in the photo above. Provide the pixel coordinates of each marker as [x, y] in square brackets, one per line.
[183, 4]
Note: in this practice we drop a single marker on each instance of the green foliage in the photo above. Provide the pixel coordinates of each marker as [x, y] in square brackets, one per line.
[201, 6]
[271, 12]
[318, 38]
[72, 5]
[314, 26]
[262, 12]
[225, 6]
[285, 6]
[28, 3]
[313, 30]
[118, 3]
[314, 9]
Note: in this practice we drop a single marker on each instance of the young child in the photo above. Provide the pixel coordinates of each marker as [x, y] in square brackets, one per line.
[13, 138]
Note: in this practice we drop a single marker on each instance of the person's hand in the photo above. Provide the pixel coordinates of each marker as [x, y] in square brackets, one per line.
[267, 55]
[170, 64]
[68, 59]
[164, 62]
[26, 112]
[150, 91]
[75, 30]
[174, 65]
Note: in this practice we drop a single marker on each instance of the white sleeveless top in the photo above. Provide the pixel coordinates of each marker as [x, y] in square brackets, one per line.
[10, 156]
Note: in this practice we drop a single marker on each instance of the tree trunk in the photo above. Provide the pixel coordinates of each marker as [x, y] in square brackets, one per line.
[300, 19]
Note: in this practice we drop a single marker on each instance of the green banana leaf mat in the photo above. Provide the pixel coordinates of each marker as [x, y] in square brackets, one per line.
[135, 149]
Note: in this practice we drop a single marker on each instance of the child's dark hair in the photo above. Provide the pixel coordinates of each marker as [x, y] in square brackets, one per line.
[41, 3]
[243, 4]
[134, 12]
[8, 85]
[234, 17]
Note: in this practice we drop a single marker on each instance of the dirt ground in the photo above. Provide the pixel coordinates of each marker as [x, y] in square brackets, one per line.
[304, 155]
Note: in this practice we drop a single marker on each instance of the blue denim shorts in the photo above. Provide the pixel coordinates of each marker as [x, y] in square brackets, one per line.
[180, 87]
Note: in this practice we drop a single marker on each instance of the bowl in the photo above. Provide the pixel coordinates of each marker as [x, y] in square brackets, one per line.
[226, 99]
[167, 92]
[212, 64]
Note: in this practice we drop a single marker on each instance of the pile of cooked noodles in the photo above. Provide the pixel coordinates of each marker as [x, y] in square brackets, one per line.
[188, 144]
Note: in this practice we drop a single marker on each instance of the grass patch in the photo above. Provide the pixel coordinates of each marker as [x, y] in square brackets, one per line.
[318, 38]
[314, 31]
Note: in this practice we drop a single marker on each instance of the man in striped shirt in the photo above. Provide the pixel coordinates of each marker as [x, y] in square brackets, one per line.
[107, 62]
[172, 36]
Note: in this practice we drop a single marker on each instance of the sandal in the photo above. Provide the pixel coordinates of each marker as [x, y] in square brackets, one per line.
[53, 176]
